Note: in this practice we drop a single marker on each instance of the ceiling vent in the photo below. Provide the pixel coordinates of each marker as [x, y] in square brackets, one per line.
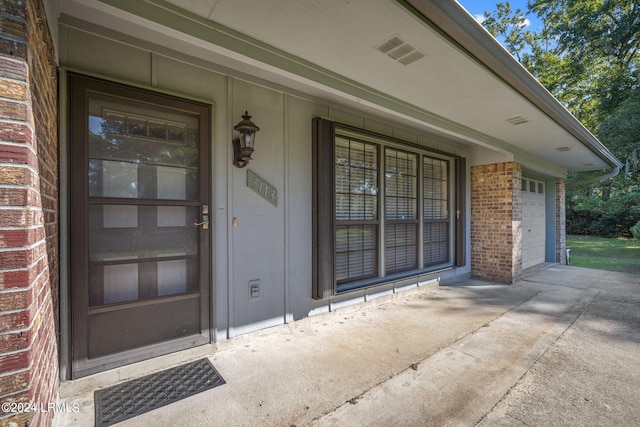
[518, 120]
[400, 50]
[563, 148]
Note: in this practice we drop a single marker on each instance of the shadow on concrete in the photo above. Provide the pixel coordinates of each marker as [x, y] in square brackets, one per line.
[612, 299]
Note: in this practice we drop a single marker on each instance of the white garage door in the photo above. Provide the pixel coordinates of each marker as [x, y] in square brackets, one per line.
[533, 223]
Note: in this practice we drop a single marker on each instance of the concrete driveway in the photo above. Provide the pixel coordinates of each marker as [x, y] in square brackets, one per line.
[561, 347]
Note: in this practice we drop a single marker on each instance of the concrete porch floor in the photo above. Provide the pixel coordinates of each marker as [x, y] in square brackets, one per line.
[561, 347]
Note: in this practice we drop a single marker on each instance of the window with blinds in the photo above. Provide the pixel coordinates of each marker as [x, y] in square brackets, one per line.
[435, 210]
[401, 207]
[382, 209]
[356, 209]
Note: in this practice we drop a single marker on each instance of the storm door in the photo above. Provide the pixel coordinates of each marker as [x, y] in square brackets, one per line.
[139, 224]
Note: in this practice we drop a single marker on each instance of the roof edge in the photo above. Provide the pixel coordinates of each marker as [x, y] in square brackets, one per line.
[455, 22]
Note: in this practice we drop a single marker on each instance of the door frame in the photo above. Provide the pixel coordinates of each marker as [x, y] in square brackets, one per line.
[77, 363]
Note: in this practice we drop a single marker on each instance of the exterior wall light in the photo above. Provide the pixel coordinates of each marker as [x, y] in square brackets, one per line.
[243, 146]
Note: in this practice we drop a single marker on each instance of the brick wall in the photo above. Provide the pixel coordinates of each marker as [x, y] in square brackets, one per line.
[496, 222]
[28, 212]
[561, 222]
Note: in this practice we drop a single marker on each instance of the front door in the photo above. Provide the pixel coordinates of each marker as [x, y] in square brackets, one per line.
[139, 231]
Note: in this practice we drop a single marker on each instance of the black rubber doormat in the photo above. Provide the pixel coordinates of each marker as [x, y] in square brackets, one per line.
[135, 397]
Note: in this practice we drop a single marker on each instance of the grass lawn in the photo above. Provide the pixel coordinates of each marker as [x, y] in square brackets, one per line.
[617, 254]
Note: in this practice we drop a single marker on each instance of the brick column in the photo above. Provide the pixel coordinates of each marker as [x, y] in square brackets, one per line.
[496, 222]
[28, 212]
[561, 222]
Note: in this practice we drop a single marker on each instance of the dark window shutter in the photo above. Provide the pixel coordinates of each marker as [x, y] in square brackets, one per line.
[323, 232]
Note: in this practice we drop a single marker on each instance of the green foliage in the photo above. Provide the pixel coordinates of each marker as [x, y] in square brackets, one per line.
[635, 231]
[621, 133]
[588, 215]
[618, 254]
[509, 25]
[602, 35]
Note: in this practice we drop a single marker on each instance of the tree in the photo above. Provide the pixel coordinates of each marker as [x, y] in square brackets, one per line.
[508, 26]
[588, 55]
[564, 74]
[622, 131]
[603, 33]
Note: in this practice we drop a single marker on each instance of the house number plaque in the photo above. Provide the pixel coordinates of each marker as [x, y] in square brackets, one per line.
[262, 187]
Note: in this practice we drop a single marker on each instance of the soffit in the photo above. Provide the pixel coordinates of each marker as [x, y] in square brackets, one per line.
[341, 36]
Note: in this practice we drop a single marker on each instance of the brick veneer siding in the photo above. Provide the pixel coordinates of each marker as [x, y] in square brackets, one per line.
[496, 222]
[28, 212]
[561, 222]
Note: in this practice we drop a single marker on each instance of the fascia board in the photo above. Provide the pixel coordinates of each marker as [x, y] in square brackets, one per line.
[455, 22]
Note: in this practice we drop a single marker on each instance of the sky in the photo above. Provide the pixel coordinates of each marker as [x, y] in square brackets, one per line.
[477, 8]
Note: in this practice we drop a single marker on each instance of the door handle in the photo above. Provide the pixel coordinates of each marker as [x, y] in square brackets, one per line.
[204, 223]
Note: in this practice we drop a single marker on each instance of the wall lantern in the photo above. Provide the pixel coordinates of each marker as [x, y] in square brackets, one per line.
[243, 146]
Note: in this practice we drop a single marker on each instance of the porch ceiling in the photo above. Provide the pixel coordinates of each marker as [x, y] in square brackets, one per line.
[329, 48]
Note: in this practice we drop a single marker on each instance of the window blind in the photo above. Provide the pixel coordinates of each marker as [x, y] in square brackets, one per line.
[351, 236]
[356, 192]
[401, 217]
[435, 202]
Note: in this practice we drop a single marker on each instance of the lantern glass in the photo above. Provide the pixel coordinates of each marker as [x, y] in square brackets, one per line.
[243, 146]
[247, 139]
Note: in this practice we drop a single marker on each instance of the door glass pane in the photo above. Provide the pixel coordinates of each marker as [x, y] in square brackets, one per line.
[172, 277]
[141, 151]
[143, 201]
[139, 252]
[131, 232]
[120, 283]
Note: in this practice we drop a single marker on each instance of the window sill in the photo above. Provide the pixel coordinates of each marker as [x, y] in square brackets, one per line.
[403, 279]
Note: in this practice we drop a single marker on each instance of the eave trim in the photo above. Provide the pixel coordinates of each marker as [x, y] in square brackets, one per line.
[457, 24]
